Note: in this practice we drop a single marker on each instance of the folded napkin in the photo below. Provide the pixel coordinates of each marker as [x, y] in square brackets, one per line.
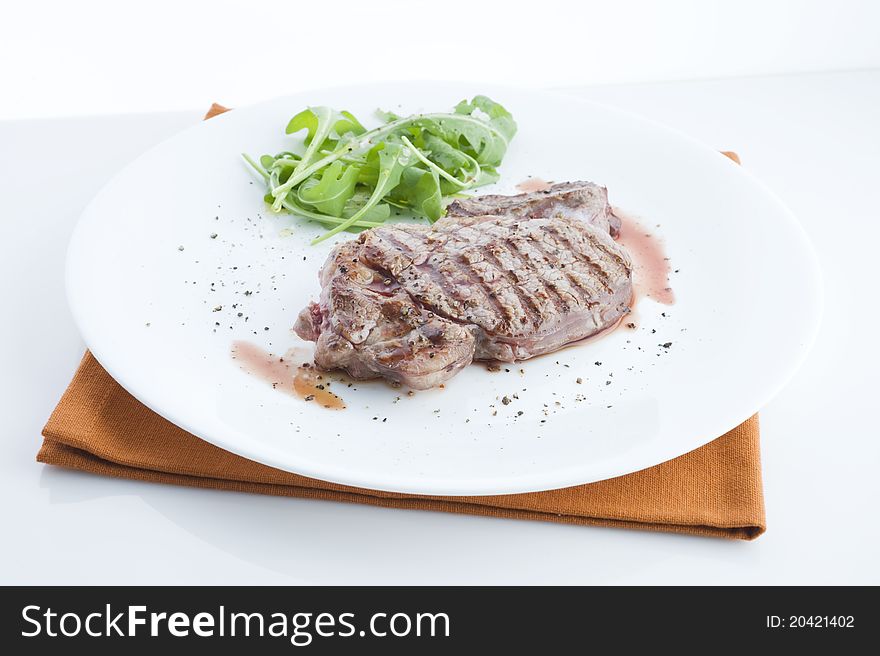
[714, 491]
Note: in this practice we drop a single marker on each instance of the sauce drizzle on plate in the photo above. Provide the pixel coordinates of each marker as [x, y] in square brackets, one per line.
[533, 184]
[651, 267]
[288, 373]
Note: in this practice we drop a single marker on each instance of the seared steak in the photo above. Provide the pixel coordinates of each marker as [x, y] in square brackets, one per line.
[576, 200]
[414, 304]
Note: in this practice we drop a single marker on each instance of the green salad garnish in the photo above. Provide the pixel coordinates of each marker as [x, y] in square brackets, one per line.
[348, 177]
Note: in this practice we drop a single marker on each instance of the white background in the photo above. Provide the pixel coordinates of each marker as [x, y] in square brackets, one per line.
[813, 138]
[102, 56]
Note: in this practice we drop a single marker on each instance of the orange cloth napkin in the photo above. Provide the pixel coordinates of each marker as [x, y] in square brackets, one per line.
[714, 491]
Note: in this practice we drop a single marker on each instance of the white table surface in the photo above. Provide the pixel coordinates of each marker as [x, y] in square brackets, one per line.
[814, 139]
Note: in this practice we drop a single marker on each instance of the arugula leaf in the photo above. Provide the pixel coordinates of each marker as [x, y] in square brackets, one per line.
[482, 129]
[377, 213]
[323, 121]
[419, 190]
[463, 167]
[324, 127]
[318, 122]
[488, 175]
[348, 124]
[330, 192]
[393, 158]
[498, 117]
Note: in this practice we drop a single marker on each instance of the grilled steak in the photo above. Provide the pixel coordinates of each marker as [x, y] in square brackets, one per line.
[414, 304]
[576, 200]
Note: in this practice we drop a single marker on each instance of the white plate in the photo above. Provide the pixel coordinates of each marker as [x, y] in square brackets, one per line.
[747, 287]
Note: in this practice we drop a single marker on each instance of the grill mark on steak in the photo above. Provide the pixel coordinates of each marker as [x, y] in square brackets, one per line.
[426, 287]
[502, 314]
[539, 277]
[429, 287]
[557, 295]
[446, 274]
[581, 282]
[518, 309]
[493, 274]
[404, 240]
[391, 237]
[529, 303]
[528, 278]
[419, 283]
[563, 294]
[598, 273]
[602, 246]
[378, 253]
[499, 288]
[585, 294]
[585, 282]
[588, 274]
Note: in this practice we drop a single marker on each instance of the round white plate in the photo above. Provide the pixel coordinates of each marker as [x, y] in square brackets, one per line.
[747, 286]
